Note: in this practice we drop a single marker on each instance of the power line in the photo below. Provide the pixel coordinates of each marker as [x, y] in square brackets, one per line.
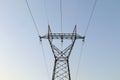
[80, 55]
[88, 24]
[61, 14]
[32, 17]
[61, 22]
[91, 15]
[45, 60]
[38, 35]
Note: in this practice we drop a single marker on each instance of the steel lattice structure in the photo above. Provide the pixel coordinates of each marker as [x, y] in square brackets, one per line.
[61, 69]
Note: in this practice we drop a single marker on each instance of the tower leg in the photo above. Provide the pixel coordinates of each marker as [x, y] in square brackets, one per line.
[61, 70]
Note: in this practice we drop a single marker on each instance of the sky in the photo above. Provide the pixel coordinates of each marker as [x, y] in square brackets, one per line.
[21, 56]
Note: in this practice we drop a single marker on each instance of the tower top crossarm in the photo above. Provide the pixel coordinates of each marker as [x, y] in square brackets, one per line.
[62, 36]
[72, 36]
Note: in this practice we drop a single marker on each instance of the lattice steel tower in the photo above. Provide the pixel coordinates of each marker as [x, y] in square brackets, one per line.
[61, 69]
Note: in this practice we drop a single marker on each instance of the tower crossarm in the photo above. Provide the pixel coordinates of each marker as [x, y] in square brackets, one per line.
[62, 36]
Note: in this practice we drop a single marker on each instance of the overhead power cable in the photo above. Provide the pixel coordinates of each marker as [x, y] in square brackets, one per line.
[61, 14]
[35, 24]
[38, 35]
[61, 22]
[81, 49]
[45, 60]
[79, 60]
[90, 18]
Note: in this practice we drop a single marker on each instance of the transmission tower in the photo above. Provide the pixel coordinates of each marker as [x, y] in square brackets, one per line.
[61, 69]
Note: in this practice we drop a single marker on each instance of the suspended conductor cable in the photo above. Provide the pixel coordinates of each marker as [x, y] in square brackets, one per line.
[61, 14]
[61, 22]
[80, 55]
[88, 24]
[38, 35]
[32, 17]
[45, 60]
[91, 15]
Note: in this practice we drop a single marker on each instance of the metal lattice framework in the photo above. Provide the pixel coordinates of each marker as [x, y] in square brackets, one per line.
[61, 69]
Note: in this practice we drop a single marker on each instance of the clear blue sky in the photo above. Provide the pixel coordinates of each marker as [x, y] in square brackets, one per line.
[21, 56]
